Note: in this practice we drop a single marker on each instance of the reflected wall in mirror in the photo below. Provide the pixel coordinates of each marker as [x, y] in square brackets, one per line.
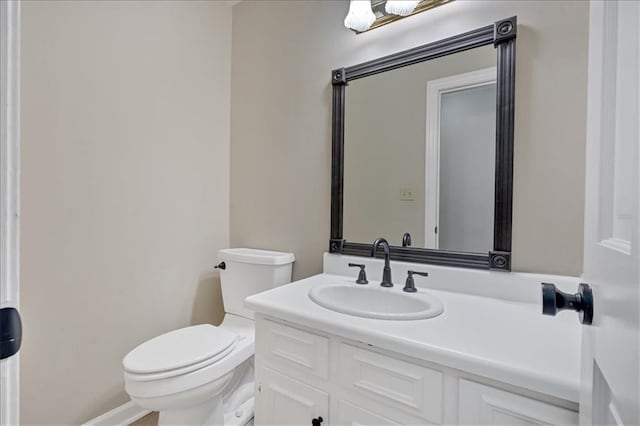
[419, 153]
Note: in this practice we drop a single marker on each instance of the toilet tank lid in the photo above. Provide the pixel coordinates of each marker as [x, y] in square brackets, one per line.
[255, 256]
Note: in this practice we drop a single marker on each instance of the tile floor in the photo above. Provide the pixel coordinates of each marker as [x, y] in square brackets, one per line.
[150, 419]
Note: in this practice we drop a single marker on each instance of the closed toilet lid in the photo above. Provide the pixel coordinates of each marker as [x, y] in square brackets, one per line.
[178, 348]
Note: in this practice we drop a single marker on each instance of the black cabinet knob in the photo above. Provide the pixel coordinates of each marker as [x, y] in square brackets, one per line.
[317, 422]
[554, 301]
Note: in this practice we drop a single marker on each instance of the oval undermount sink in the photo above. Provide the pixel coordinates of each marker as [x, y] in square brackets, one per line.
[372, 301]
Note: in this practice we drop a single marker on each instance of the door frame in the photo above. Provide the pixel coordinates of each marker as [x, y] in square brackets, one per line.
[435, 89]
[10, 196]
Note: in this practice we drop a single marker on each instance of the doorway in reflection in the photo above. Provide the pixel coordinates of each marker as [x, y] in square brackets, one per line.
[466, 170]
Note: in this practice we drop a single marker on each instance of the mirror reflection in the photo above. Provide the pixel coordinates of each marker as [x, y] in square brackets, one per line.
[419, 154]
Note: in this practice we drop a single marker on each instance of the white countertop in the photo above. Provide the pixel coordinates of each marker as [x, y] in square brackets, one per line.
[503, 340]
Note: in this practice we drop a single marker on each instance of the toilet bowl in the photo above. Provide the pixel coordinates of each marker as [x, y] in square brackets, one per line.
[203, 374]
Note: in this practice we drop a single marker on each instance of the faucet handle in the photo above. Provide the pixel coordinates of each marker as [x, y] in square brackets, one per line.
[362, 276]
[409, 284]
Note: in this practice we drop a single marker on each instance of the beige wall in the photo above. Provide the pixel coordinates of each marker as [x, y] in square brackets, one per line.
[125, 164]
[281, 117]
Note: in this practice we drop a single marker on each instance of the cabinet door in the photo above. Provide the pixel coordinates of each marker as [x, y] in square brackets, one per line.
[284, 401]
[484, 405]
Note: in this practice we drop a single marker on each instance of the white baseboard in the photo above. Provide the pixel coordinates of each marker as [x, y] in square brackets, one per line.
[119, 416]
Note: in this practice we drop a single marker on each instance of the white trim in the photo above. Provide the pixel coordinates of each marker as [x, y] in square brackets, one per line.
[120, 416]
[618, 244]
[9, 198]
[435, 90]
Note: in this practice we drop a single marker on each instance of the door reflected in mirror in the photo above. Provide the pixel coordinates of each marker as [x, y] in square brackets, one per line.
[419, 153]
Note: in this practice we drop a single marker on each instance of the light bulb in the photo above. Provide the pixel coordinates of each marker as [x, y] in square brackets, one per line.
[360, 16]
[401, 7]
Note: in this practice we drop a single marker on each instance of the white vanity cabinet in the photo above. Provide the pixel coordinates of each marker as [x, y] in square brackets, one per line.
[303, 374]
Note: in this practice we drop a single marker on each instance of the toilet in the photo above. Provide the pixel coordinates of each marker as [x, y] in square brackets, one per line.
[204, 375]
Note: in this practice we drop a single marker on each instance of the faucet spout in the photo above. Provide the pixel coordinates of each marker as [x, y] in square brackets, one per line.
[386, 271]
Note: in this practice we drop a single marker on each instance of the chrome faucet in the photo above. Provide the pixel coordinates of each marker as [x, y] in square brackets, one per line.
[386, 272]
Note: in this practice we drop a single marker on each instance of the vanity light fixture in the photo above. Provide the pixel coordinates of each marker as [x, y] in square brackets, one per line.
[360, 16]
[401, 7]
[365, 15]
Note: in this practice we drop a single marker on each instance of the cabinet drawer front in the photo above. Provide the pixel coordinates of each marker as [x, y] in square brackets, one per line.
[484, 405]
[284, 401]
[287, 348]
[409, 387]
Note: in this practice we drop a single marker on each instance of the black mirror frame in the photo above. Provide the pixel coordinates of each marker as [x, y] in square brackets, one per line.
[502, 34]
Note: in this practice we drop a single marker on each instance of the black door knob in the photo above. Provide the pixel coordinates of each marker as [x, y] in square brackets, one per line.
[553, 301]
[10, 332]
[317, 422]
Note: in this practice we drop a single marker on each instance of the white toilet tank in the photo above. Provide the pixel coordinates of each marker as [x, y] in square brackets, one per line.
[250, 271]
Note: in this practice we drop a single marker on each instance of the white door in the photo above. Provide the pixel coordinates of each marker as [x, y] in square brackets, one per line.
[610, 371]
[9, 175]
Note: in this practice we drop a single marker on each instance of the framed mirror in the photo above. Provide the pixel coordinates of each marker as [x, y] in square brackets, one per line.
[422, 151]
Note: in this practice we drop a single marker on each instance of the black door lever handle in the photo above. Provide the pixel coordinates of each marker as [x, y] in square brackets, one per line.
[553, 301]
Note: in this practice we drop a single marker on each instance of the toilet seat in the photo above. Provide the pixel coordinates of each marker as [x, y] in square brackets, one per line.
[170, 389]
[179, 352]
